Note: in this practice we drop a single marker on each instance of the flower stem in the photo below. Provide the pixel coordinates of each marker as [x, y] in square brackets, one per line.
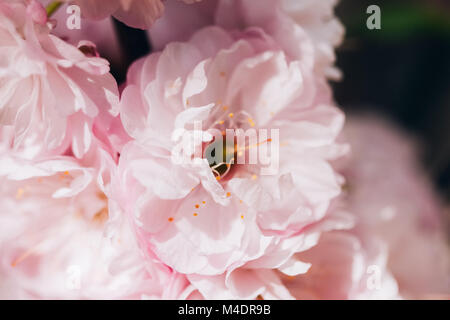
[53, 7]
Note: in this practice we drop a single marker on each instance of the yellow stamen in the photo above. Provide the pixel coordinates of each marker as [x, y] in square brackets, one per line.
[101, 215]
[101, 196]
[20, 193]
[253, 146]
[25, 255]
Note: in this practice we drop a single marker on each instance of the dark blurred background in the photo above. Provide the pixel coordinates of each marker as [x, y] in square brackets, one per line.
[401, 71]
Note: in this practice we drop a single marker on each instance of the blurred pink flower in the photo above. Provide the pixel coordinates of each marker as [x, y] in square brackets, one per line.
[395, 204]
[218, 230]
[397, 248]
[135, 13]
[100, 32]
[48, 87]
[343, 267]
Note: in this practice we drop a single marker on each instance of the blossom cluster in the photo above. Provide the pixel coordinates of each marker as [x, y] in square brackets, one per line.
[107, 191]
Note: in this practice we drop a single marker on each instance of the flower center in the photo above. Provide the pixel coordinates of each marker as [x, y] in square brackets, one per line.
[223, 152]
[221, 155]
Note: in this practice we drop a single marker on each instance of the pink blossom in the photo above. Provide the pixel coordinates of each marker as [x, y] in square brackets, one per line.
[217, 230]
[396, 205]
[48, 87]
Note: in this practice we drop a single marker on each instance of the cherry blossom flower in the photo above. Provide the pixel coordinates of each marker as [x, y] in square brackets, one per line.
[215, 227]
[50, 89]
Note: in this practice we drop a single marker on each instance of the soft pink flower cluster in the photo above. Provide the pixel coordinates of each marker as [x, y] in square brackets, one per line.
[95, 203]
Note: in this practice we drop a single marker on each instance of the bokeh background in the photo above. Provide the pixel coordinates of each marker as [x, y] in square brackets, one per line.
[403, 72]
